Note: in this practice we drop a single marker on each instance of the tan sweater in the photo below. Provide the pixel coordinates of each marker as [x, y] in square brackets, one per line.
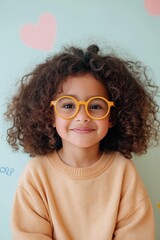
[102, 202]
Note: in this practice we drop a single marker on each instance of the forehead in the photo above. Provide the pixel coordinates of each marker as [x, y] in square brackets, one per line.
[83, 87]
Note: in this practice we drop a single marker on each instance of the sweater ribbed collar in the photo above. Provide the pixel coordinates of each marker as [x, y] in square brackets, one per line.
[82, 173]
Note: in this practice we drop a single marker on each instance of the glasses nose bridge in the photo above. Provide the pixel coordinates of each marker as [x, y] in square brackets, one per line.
[84, 103]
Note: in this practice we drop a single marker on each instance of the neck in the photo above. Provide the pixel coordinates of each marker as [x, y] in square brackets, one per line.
[80, 157]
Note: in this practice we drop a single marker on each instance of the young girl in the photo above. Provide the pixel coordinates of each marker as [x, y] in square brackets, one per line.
[81, 115]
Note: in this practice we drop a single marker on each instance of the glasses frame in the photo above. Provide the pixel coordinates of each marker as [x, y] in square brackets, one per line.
[85, 103]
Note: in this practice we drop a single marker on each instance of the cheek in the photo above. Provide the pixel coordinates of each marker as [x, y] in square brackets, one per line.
[60, 125]
[103, 127]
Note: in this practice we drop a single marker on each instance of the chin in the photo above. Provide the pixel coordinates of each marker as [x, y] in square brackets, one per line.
[85, 145]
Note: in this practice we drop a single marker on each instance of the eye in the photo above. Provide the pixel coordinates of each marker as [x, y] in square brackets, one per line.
[68, 106]
[96, 107]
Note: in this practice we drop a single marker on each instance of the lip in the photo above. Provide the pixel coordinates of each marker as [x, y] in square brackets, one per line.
[82, 130]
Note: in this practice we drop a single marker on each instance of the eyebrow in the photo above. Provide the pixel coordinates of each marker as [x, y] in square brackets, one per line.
[86, 98]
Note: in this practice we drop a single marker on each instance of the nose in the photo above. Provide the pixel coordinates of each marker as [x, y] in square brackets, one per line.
[82, 115]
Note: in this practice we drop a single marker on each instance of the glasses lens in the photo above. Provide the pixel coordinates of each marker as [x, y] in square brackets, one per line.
[98, 108]
[66, 107]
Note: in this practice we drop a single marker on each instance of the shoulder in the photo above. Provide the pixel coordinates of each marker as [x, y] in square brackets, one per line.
[36, 164]
[123, 164]
[125, 171]
[36, 171]
[133, 197]
[132, 184]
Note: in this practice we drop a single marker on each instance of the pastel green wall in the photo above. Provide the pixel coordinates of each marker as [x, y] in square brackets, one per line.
[124, 25]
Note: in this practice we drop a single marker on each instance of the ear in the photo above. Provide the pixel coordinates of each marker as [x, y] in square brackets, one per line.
[54, 124]
[111, 123]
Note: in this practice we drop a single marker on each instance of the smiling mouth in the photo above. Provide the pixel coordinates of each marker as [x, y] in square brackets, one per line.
[82, 130]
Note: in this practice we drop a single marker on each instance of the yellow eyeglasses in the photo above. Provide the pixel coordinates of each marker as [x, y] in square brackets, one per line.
[67, 107]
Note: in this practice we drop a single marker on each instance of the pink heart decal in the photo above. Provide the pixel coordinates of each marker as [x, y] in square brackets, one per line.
[153, 7]
[42, 35]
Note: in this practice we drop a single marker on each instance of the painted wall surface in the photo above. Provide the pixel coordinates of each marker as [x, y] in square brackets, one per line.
[131, 27]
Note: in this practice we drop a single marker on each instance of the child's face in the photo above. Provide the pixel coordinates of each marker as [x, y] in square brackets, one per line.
[82, 131]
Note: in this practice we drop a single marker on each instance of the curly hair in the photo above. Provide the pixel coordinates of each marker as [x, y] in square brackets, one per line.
[135, 121]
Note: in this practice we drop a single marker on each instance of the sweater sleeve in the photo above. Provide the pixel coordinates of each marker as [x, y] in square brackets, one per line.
[135, 219]
[30, 218]
[138, 225]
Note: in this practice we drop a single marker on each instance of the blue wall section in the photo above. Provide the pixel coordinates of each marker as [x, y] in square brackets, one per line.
[124, 25]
